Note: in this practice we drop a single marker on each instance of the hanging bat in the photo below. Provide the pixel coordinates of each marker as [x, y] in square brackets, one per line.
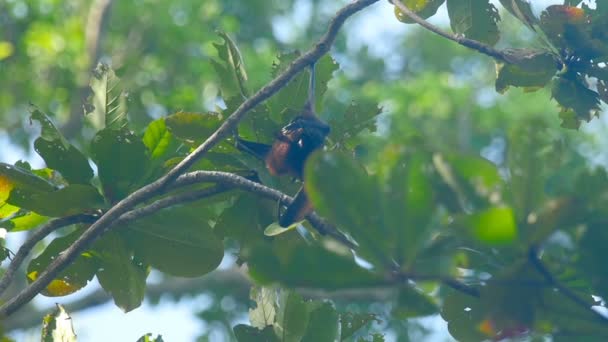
[291, 148]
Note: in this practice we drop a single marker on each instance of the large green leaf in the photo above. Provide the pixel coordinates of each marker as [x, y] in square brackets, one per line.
[530, 69]
[16, 176]
[289, 101]
[71, 279]
[246, 333]
[121, 158]
[522, 11]
[193, 127]
[324, 269]
[108, 101]
[331, 178]
[413, 303]
[351, 322]
[119, 274]
[177, 241]
[592, 245]
[572, 93]
[357, 117]
[475, 19]
[230, 69]
[70, 200]
[58, 153]
[323, 324]
[292, 317]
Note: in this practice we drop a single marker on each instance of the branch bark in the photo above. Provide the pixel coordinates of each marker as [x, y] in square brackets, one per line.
[157, 187]
[466, 42]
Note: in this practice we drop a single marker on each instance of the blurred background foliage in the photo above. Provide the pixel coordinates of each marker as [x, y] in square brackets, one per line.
[427, 86]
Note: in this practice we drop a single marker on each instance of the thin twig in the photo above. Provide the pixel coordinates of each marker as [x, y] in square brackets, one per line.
[466, 42]
[33, 239]
[158, 186]
[573, 296]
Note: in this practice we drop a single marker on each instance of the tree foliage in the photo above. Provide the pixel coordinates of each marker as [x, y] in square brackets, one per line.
[492, 221]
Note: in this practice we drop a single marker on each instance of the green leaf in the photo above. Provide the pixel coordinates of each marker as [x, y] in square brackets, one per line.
[275, 229]
[423, 8]
[73, 199]
[193, 127]
[407, 201]
[328, 186]
[57, 327]
[16, 176]
[122, 160]
[119, 275]
[413, 303]
[24, 221]
[292, 317]
[323, 324]
[475, 19]
[72, 278]
[58, 153]
[463, 314]
[289, 101]
[351, 322]
[158, 139]
[356, 118]
[527, 68]
[263, 314]
[324, 269]
[177, 241]
[522, 11]
[493, 226]
[231, 70]
[246, 333]
[108, 102]
[571, 93]
[592, 245]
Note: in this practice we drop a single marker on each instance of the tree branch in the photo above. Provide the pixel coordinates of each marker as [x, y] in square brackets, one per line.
[534, 259]
[108, 219]
[466, 42]
[36, 237]
[236, 181]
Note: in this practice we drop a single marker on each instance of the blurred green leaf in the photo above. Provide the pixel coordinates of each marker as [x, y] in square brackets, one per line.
[571, 93]
[149, 338]
[231, 70]
[58, 153]
[332, 177]
[494, 226]
[522, 10]
[177, 241]
[475, 19]
[292, 317]
[15, 176]
[193, 127]
[323, 324]
[74, 277]
[58, 327]
[119, 275]
[325, 269]
[70, 200]
[423, 8]
[246, 333]
[413, 303]
[351, 322]
[108, 101]
[121, 159]
[531, 69]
